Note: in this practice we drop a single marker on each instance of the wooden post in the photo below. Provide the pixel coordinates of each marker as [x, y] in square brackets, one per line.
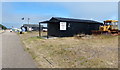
[39, 30]
[47, 31]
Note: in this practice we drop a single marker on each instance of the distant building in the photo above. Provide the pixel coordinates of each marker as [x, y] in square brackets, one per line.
[31, 27]
[63, 27]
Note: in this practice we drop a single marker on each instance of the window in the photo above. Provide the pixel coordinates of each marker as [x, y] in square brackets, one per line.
[68, 24]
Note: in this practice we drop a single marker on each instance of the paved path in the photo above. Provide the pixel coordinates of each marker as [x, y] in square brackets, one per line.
[0, 50]
[13, 54]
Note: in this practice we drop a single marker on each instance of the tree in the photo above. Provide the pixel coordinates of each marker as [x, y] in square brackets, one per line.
[3, 27]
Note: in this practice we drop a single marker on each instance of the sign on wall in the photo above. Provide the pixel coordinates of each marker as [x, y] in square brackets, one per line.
[63, 25]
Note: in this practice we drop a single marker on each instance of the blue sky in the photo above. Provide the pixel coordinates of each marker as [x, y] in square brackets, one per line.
[12, 12]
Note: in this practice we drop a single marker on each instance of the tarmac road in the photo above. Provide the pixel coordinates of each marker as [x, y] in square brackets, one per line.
[0, 50]
[13, 54]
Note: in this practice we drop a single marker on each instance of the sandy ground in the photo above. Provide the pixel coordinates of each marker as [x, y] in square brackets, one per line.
[72, 52]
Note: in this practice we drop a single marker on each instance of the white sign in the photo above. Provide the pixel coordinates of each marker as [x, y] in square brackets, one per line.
[62, 25]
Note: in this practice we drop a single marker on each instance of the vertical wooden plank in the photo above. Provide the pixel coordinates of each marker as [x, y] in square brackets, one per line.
[39, 30]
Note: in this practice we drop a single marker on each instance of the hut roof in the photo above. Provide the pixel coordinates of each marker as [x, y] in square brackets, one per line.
[59, 19]
[31, 25]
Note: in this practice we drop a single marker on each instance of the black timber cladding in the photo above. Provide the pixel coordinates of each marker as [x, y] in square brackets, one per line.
[73, 27]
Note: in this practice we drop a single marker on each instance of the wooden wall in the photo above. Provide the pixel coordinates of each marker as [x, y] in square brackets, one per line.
[75, 28]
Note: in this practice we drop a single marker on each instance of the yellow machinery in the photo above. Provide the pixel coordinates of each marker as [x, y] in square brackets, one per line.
[109, 26]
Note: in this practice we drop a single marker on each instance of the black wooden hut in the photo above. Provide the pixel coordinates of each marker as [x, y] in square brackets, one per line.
[65, 27]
